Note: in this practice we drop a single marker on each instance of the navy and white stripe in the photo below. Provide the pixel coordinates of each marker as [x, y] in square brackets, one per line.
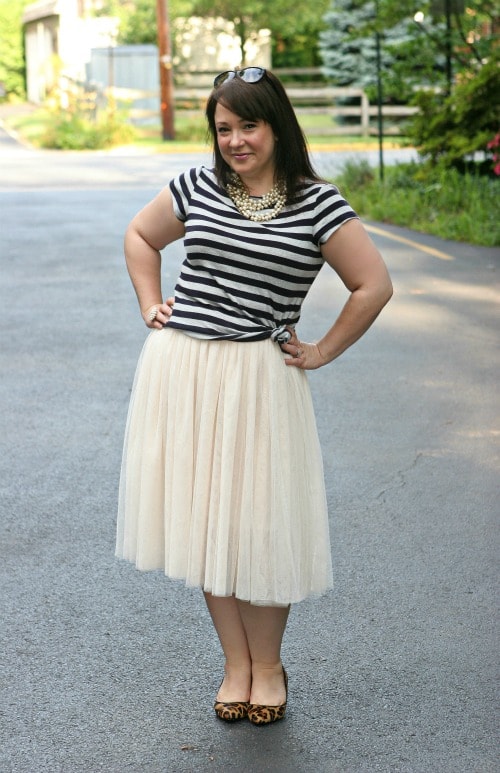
[242, 280]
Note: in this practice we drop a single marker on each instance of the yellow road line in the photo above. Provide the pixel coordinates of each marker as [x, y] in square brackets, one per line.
[422, 247]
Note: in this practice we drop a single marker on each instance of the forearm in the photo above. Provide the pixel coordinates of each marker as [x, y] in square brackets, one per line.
[144, 268]
[362, 308]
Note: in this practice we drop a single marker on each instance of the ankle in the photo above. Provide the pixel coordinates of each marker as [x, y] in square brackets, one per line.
[266, 668]
[236, 683]
[269, 684]
[234, 667]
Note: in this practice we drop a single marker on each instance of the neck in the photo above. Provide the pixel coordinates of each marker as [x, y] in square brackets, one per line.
[257, 187]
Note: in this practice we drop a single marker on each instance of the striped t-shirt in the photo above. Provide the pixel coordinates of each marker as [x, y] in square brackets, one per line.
[242, 280]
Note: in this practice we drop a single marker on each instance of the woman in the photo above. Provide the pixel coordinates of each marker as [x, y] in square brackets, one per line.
[222, 481]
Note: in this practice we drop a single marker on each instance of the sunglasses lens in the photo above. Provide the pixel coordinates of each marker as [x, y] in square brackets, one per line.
[249, 75]
[224, 76]
[252, 74]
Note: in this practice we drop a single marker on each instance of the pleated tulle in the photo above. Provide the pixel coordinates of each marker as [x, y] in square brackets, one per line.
[222, 478]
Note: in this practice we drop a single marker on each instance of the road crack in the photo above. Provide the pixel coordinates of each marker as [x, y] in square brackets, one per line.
[399, 478]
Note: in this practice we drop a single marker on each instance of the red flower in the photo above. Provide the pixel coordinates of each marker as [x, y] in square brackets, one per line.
[494, 143]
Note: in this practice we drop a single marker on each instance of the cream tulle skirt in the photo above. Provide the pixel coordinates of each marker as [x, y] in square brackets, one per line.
[222, 477]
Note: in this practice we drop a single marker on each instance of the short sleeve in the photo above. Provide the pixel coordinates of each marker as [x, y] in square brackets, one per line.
[182, 188]
[331, 211]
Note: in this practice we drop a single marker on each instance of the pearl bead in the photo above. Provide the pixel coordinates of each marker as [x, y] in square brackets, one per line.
[251, 208]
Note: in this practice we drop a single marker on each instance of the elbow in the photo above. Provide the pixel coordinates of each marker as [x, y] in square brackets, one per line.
[375, 295]
[384, 288]
[380, 293]
[387, 291]
[380, 296]
[378, 286]
[130, 236]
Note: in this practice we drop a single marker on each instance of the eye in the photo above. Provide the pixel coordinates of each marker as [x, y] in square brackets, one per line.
[250, 125]
[222, 129]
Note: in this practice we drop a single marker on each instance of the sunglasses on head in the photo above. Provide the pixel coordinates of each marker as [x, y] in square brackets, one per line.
[248, 74]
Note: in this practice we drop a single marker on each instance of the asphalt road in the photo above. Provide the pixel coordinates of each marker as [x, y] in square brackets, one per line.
[104, 668]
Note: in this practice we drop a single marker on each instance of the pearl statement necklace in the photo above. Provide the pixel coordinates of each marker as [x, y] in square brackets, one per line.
[250, 207]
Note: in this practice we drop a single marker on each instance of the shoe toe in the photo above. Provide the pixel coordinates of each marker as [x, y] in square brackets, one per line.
[231, 712]
[265, 715]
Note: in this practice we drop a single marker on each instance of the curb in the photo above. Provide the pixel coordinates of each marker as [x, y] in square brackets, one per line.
[14, 135]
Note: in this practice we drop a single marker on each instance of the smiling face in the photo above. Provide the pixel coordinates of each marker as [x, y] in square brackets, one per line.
[247, 147]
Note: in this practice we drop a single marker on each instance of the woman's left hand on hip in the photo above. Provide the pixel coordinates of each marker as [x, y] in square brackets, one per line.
[302, 355]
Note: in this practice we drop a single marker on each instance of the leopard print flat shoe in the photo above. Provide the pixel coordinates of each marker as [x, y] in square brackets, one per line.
[264, 715]
[231, 712]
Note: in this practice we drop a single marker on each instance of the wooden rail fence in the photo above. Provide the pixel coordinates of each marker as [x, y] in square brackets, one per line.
[308, 93]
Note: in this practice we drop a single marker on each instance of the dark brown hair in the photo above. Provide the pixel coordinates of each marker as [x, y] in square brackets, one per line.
[267, 101]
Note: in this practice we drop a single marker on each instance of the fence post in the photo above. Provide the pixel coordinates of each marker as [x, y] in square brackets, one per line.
[365, 115]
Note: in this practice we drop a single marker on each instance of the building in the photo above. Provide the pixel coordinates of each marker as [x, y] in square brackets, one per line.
[66, 38]
[59, 36]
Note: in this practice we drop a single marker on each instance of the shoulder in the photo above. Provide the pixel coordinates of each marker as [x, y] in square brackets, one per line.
[320, 196]
[327, 207]
[317, 189]
[199, 179]
[191, 177]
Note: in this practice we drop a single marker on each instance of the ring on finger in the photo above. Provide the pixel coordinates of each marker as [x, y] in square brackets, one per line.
[152, 314]
[299, 353]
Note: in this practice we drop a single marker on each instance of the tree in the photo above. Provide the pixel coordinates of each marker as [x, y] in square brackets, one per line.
[12, 67]
[139, 25]
[414, 62]
[138, 19]
[294, 35]
[413, 54]
[349, 55]
[304, 20]
[473, 34]
[348, 44]
[348, 47]
[449, 132]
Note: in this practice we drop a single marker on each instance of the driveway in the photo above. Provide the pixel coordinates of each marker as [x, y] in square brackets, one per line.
[108, 669]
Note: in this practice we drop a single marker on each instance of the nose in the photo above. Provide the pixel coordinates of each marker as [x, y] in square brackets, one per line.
[236, 139]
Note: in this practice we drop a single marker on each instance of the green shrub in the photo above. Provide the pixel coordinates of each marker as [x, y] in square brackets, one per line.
[190, 129]
[444, 202]
[358, 173]
[76, 131]
[450, 130]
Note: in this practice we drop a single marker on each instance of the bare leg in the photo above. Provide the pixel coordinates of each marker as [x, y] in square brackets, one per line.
[264, 627]
[226, 618]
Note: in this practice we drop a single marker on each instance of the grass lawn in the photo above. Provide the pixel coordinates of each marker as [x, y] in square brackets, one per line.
[29, 126]
[191, 133]
[191, 129]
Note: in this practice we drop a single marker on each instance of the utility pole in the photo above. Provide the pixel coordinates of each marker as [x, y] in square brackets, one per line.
[166, 72]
